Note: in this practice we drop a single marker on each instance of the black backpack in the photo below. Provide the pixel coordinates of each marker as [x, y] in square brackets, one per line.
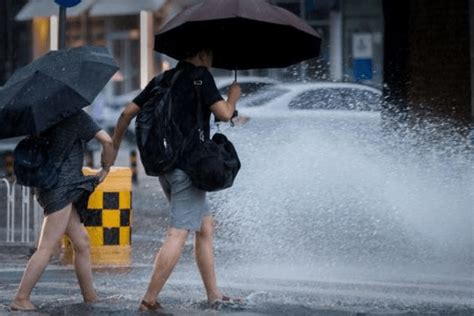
[159, 137]
[33, 166]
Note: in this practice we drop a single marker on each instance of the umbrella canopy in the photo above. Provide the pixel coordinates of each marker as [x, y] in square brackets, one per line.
[243, 34]
[52, 88]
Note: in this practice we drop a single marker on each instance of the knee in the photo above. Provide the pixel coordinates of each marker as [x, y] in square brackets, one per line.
[82, 244]
[177, 235]
[207, 230]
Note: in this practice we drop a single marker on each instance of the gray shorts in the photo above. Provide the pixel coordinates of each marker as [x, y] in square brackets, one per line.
[188, 204]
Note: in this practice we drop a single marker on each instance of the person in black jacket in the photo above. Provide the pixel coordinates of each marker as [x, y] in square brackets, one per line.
[189, 210]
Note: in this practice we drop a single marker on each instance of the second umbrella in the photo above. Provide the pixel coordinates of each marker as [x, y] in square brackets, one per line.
[52, 88]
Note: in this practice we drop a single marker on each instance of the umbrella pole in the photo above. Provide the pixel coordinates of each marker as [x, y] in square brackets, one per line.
[235, 75]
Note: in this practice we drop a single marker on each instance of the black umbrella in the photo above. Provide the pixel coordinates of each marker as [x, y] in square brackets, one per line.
[52, 88]
[243, 34]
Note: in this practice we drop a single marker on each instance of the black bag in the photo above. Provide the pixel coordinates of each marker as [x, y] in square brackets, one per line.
[33, 166]
[212, 164]
[159, 138]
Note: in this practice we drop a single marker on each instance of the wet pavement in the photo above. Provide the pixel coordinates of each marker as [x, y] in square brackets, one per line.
[120, 290]
[274, 288]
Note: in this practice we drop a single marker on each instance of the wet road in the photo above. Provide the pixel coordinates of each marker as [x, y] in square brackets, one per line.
[120, 290]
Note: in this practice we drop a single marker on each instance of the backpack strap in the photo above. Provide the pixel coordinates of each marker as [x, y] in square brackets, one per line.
[197, 88]
[173, 81]
[160, 80]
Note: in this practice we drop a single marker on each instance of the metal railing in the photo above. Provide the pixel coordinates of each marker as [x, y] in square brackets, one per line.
[22, 224]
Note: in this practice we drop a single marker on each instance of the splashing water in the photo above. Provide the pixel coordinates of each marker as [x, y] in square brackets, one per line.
[328, 191]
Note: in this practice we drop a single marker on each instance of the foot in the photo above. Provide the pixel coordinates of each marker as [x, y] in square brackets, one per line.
[146, 306]
[22, 305]
[91, 299]
[225, 301]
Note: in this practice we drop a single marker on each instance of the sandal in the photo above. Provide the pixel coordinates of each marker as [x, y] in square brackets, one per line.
[149, 307]
[226, 301]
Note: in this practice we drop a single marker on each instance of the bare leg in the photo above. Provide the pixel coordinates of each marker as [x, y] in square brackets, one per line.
[204, 250]
[165, 262]
[82, 261]
[54, 226]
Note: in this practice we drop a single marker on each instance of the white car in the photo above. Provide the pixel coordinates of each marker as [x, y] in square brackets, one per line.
[304, 97]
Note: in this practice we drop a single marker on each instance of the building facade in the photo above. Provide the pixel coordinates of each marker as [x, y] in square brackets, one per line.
[352, 46]
[125, 27]
[352, 33]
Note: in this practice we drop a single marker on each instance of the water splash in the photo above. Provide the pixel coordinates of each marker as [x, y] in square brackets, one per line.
[333, 190]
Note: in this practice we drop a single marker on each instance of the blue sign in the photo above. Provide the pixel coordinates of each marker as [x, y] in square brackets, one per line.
[362, 68]
[67, 3]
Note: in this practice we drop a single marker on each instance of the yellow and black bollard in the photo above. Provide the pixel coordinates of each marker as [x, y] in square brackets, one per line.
[109, 221]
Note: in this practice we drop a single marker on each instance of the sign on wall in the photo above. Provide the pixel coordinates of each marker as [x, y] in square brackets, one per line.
[67, 3]
[362, 56]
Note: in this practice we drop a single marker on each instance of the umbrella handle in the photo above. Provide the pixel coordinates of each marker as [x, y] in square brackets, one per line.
[235, 75]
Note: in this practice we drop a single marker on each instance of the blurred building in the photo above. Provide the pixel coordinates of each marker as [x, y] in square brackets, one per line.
[125, 27]
[15, 36]
[352, 31]
[352, 47]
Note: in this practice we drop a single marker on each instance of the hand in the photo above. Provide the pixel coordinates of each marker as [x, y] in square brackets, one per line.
[110, 159]
[240, 120]
[102, 174]
[234, 91]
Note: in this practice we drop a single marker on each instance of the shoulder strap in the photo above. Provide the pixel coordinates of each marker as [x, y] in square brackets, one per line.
[173, 81]
[169, 83]
[160, 79]
[197, 88]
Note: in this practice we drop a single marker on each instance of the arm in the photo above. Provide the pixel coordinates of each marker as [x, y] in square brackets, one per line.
[130, 111]
[224, 110]
[108, 153]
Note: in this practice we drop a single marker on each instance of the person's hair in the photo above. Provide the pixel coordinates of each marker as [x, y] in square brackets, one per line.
[193, 51]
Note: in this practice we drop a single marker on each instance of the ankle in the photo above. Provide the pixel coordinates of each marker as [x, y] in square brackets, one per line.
[21, 299]
[91, 299]
[150, 299]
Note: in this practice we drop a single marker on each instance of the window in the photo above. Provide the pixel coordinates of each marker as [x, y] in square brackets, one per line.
[126, 52]
[352, 99]
[264, 97]
[318, 99]
[362, 100]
